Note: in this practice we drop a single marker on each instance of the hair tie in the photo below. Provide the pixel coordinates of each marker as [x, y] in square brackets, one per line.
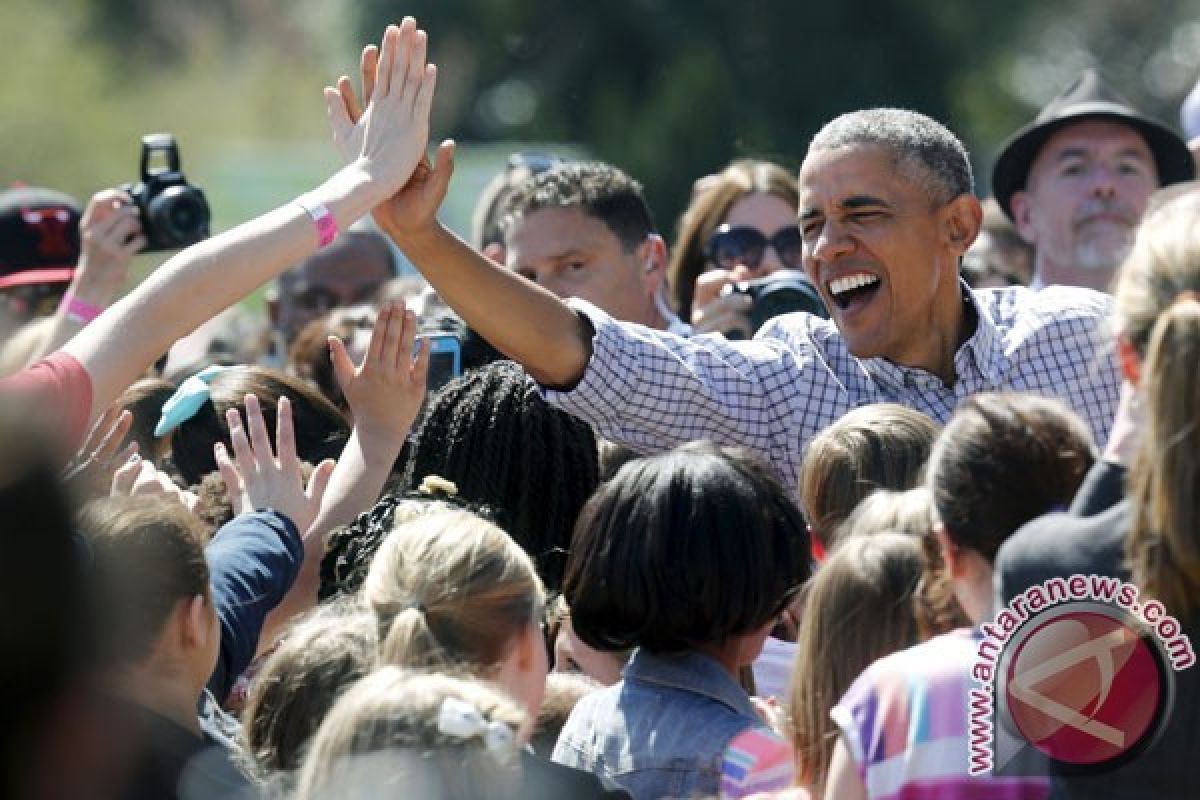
[187, 400]
[436, 485]
[461, 720]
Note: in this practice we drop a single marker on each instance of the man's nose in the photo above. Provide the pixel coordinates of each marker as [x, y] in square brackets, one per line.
[1104, 181]
[831, 243]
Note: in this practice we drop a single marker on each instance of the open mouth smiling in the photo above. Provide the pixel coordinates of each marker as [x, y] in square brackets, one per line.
[850, 292]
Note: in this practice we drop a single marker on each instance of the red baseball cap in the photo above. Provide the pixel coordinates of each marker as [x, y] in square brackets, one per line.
[39, 236]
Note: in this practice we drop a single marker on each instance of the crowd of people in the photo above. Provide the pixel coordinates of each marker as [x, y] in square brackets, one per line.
[726, 516]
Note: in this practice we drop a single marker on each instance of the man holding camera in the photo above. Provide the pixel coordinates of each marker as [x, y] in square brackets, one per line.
[583, 229]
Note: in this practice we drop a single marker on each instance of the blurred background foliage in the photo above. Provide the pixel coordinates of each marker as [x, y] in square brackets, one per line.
[668, 89]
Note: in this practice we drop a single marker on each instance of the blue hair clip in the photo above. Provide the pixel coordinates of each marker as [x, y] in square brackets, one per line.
[191, 395]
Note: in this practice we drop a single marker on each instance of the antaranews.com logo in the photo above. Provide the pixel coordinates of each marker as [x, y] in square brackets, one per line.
[1078, 669]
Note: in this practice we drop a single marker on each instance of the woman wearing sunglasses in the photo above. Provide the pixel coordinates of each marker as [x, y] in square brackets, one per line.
[739, 225]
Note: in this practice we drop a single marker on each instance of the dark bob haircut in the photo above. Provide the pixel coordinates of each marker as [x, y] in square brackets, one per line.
[682, 549]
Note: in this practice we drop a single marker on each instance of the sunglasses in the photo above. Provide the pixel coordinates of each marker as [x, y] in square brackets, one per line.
[733, 245]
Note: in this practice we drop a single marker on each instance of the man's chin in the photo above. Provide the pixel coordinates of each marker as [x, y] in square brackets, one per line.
[1105, 251]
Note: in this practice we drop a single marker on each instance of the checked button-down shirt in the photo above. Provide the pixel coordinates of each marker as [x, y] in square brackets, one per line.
[652, 390]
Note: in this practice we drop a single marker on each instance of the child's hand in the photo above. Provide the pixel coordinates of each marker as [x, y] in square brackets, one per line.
[257, 479]
[386, 390]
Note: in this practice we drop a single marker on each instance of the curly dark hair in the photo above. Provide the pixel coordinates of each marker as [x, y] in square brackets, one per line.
[492, 434]
[350, 548]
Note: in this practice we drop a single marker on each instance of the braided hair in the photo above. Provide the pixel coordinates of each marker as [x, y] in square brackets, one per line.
[492, 434]
[350, 548]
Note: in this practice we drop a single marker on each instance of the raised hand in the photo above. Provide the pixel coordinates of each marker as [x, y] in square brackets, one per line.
[385, 391]
[110, 235]
[414, 207]
[256, 479]
[91, 471]
[390, 136]
[140, 477]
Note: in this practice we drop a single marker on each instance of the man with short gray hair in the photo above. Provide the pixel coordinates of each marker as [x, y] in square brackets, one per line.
[886, 211]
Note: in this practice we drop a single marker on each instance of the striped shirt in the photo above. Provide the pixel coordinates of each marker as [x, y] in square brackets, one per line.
[653, 391]
[905, 725]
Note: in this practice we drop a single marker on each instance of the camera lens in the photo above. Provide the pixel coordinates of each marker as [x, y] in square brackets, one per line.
[784, 292]
[179, 216]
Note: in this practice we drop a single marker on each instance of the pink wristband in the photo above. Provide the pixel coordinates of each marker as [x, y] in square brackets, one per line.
[81, 311]
[327, 227]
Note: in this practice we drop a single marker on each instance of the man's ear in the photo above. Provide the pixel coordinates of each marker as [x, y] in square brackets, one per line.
[1129, 359]
[652, 254]
[496, 252]
[962, 219]
[1022, 212]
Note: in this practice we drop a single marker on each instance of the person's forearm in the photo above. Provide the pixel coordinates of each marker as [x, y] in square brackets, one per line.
[362, 470]
[519, 318]
[204, 279]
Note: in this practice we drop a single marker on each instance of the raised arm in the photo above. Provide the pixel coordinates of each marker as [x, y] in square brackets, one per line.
[204, 279]
[521, 319]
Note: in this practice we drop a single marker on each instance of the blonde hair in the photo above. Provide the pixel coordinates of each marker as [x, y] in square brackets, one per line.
[1159, 310]
[859, 607]
[383, 738]
[712, 197]
[316, 660]
[880, 446]
[451, 590]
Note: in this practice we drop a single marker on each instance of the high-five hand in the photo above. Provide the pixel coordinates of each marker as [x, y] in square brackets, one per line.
[414, 207]
[389, 138]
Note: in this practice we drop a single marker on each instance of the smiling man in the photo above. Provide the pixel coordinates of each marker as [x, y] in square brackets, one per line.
[1076, 181]
[887, 211]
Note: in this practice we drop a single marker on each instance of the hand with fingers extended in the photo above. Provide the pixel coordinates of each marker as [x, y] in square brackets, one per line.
[386, 390]
[90, 473]
[414, 207]
[110, 235]
[140, 477]
[256, 478]
[388, 138]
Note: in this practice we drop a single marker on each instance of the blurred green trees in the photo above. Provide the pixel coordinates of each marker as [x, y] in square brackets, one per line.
[669, 89]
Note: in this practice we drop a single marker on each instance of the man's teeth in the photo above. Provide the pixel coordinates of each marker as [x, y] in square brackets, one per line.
[839, 285]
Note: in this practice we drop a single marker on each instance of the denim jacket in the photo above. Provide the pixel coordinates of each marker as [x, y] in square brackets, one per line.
[663, 730]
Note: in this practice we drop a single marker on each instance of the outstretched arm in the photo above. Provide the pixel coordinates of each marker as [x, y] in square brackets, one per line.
[204, 279]
[522, 320]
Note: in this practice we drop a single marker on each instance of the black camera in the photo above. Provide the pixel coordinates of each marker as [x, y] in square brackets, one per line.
[174, 213]
[781, 292]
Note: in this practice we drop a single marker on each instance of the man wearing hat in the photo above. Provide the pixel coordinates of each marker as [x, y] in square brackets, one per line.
[1076, 181]
[54, 261]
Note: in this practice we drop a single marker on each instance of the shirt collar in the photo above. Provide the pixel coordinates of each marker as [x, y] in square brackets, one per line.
[978, 355]
[690, 672]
